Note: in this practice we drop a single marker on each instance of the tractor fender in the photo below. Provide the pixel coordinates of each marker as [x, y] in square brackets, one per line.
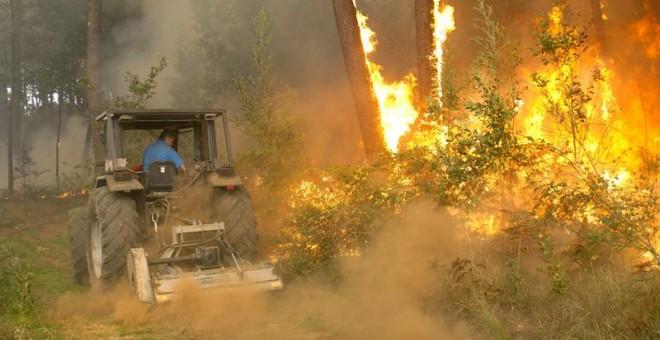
[114, 185]
[100, 182]
[222, 181]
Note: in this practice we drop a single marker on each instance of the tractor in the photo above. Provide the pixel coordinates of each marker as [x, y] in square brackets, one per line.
[159, 228]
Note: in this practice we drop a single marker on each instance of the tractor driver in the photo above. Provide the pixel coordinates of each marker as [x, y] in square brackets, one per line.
[162, 150]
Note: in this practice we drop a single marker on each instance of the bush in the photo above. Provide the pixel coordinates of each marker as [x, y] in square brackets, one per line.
[552, 201]
[19, 316]
[336, 217]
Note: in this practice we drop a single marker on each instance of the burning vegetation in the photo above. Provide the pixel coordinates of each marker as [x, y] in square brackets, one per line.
[552, 158]
[518, 196]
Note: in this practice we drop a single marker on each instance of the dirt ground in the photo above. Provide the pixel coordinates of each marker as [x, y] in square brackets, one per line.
[374, 304]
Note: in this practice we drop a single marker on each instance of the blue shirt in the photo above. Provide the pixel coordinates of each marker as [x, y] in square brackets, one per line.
[160, 151]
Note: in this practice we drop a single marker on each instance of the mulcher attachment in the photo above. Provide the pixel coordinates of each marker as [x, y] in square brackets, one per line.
[191, 257]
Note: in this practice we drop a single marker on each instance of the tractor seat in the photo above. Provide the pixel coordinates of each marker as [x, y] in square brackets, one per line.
[160, 177]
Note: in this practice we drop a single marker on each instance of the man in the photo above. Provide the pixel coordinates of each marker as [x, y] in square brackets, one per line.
[162, 151]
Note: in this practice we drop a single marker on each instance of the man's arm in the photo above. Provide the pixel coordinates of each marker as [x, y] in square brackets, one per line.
[178, 162]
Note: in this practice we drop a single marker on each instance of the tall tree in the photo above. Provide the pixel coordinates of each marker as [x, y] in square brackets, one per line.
[424, 34]
[57, 142]
[599, 24]
[366, 103]
[16, 100]
[216, 51]
[94, 101]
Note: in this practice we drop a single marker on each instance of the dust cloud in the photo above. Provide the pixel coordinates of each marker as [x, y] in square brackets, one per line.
[383, 294]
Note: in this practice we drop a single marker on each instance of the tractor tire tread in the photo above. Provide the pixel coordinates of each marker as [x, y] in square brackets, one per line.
[78, 223]
[235, 209]
[120, 229]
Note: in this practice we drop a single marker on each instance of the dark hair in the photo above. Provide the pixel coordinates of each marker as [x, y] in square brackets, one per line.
[167, 133]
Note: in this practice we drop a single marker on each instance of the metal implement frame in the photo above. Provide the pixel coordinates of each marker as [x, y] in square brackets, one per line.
[152, 288]
[259, 277]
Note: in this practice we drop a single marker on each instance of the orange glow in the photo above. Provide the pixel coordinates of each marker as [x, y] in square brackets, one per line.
[395, 99]
[648, 33]
[555, 17]
[69, 194]
[602, 10]
[443, 23]
[608, 123]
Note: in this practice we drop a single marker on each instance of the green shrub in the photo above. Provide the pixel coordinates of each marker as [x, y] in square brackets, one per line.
[20, 318]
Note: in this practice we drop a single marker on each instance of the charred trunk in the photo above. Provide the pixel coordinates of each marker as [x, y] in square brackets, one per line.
[424, 33]
[599, 25]
[366, 103]
[94, 100]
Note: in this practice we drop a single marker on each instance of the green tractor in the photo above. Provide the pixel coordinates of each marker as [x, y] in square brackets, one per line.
[161, 229]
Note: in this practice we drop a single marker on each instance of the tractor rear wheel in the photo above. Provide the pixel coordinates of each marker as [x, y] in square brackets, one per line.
[79, 222]
[114, 230]
[235, 209]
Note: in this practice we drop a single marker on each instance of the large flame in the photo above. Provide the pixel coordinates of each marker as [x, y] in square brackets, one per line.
[648, 32]
[612, 129]
[443, 23]
[604, 135]
[395, 99]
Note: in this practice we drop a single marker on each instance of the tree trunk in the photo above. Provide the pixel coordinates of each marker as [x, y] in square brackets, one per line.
[599, 25]
[15, 103]
[10, 154]
[94, 101]
[57, 142]
[424, 33]
[366, 103]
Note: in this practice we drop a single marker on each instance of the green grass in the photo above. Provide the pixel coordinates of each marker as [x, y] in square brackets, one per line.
[35, 231]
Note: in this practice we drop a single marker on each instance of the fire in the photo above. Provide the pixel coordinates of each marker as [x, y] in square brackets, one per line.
[555, 16]
[648, 33]
[602, 9]
[443, 23]
[600, 112]
[609, 103]
[395, 99]
[605, 129]
[617, 180]
[549, 115]
[69, 194]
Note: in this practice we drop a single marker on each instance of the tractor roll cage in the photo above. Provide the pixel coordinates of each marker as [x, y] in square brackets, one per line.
[116, 121]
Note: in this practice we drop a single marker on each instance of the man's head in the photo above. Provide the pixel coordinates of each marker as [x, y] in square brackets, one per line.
[168, 136]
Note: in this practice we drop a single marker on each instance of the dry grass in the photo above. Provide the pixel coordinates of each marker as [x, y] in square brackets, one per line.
[511, 298]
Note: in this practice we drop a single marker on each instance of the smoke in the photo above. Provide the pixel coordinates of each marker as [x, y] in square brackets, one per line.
[157, 34]
[307, 57]
[383, 294]
[41, 146]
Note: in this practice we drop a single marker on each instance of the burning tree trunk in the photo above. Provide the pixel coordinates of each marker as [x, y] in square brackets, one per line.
[599, 24]
[16, 100]
[366, 103]
[424, 32]
[94, 104]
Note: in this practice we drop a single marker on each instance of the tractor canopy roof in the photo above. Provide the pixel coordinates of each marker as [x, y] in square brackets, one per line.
[147, 119]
